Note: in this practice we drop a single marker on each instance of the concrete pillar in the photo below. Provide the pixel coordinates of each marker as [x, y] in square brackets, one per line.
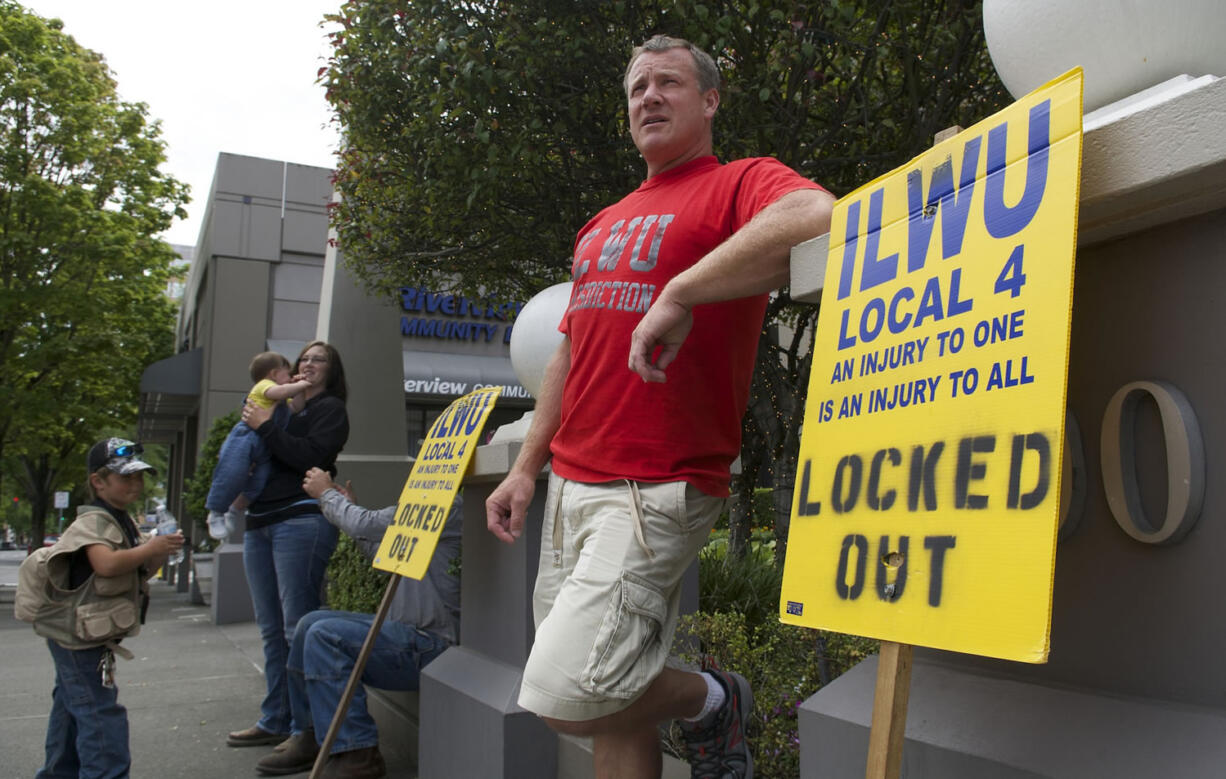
[365, 330]
[231, 597]
[468, 695]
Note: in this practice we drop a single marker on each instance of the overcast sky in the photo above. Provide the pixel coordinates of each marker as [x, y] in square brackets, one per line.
[226, 75]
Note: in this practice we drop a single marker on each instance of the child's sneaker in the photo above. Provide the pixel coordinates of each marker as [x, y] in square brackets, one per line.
[217, 525]
[716, 745]
[232, 520]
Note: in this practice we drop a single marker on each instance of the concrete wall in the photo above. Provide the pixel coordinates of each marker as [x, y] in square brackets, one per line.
[257, 272]
[237, 306]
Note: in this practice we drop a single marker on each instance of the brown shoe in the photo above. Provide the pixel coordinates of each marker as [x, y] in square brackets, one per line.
[364, 763]
[253, 736]
[298, 756]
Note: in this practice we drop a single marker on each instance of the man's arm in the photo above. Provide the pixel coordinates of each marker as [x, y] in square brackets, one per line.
[335, 503]
[753, 260]
[508, 503]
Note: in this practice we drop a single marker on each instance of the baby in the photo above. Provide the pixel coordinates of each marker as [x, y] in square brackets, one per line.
[242, 464]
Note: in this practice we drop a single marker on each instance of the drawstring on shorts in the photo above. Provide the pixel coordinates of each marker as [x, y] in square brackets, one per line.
[636, 519]
[557, 530]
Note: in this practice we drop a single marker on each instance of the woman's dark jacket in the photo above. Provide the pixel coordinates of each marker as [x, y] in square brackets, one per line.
[312, 439]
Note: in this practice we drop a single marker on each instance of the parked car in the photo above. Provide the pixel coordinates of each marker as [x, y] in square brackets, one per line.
[50, 540]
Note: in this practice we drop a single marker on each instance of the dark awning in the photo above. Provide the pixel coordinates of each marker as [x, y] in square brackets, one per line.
[169, 396]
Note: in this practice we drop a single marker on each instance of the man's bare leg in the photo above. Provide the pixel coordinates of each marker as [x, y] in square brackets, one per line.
[673, 694]
[627, 743]
[628, 754]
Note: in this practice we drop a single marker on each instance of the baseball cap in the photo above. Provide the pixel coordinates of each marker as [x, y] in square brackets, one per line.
[119, 455]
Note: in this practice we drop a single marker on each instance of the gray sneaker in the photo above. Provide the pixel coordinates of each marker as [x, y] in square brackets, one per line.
[715, 745]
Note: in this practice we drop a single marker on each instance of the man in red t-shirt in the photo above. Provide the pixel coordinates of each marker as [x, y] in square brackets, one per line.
[642, 431]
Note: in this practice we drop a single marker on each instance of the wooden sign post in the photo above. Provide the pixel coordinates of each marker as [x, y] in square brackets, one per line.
[889, 711]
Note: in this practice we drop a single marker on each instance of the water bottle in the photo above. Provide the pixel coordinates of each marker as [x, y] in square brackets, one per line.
[167, 524]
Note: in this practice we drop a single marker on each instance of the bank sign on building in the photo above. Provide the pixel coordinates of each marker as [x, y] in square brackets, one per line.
[455, 344]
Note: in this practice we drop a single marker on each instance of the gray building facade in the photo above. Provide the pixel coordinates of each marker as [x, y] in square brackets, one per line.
[266, 276]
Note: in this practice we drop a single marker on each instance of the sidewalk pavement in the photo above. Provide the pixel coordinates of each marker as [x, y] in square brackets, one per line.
[190, 683]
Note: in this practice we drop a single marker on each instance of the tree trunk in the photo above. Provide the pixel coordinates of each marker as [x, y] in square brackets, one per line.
[785, 483]
[39, 476]
[38, 508]
[740, 517]
[741, 506]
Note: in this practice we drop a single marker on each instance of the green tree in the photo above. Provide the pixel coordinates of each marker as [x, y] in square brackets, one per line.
[82, 273]
[479, 136]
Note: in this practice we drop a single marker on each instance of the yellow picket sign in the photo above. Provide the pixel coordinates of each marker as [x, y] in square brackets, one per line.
[428, 493]
[927, 495]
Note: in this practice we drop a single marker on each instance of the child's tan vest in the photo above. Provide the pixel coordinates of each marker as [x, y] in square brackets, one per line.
[97, 613]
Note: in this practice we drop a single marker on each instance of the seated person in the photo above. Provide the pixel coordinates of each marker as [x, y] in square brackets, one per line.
[423, 620]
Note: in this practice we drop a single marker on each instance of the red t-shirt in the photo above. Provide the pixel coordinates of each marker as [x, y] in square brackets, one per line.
[613, 424]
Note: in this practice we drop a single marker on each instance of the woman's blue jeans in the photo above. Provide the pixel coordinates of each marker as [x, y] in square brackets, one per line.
[87, 732]
[321, 659]
[285, 565]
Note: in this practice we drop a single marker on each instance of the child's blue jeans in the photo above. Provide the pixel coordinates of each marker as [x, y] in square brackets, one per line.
[87, 732]
[242, 464]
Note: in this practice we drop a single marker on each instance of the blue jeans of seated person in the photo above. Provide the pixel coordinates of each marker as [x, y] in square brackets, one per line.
[87, 732]
[285, 565]
[242, 464]
[322, 656]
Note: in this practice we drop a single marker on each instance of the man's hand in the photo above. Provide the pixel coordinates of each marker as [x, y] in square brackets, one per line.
[317, 482]
[347, 490]
[665, 326]
[506, 506]
[255, 416]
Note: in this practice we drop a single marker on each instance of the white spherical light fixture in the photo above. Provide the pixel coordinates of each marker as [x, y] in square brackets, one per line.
[1124, 47]
[535, 336]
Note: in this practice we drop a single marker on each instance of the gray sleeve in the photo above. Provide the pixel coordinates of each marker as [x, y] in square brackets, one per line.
[365, 526]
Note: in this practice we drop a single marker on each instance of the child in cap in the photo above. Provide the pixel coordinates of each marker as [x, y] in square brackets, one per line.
[87, 731]
[242, 464]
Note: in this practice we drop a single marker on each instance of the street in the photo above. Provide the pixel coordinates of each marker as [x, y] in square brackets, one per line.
[9, 560]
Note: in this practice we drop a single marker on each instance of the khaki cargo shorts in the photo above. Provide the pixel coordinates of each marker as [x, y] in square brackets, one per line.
[608, 591]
